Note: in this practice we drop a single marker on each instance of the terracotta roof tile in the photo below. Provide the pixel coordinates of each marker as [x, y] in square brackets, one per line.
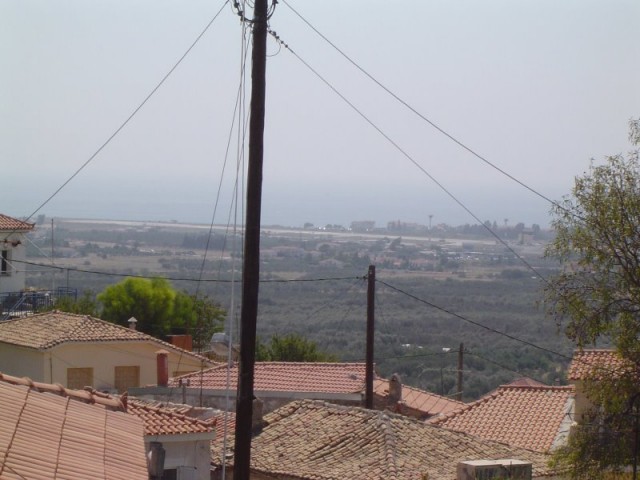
[429, 404]
[45, 436]
[595, 364]
[285, 376]
[166, 421]
[311, 439]
[87, 396]
[523, 416]
[13, 224]
[46, 330]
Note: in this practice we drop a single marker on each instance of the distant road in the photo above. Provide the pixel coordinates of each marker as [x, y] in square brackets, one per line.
[289, 231]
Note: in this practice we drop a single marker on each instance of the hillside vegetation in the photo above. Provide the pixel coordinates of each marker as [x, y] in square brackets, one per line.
[434, 291]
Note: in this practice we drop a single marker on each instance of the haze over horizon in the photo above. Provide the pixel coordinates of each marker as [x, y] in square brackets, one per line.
[537, 88]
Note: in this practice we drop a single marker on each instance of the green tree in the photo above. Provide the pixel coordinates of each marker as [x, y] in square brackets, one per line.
[201, 318]
[161, 310]
[596, 296]
[150, 301]
[292, 348]
[85, 305]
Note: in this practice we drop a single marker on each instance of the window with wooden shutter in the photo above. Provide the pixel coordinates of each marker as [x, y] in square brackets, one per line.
[126, 378]
[78, 378]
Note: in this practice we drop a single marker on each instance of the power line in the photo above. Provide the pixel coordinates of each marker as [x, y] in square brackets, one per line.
[128, 119]
[416, 112]
[504, 367]
[477, 324]
[410, 158]
[184, 279]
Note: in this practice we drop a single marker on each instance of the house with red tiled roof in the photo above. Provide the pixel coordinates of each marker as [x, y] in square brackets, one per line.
[413, 402]
[275, 383]
[12, 253]
[536, 417]
[79, 350]
[49, 432]
[315, 440]
[184, 440]
[594, 364]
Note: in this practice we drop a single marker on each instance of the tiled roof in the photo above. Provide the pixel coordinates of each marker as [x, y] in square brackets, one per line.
[157, 420]
[426, 403]
[166, 421]
[285, 377]
[44, 436]
[225, 427]
[312, 439]
[13, 224]
[88, 395]
[46, 330]
[527, 417]
[596, 364]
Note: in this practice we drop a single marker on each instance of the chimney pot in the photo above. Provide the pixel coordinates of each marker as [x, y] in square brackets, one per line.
[132, 323]
[162, 365]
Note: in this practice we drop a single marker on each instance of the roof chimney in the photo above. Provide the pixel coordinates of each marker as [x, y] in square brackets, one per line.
[395, 390]
[162, 366]
[132, 323]
[257, 422]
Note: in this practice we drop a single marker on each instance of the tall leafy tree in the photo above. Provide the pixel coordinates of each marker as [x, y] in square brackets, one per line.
[596, 297]
[199, 316]
[161, 310]
[150, 301]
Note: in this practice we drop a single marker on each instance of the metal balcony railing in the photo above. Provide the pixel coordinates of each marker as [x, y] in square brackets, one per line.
[20, 304]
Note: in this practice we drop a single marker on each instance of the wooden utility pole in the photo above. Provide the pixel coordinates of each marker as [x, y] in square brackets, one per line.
[371, 291]
[460, 368]
[251, 265]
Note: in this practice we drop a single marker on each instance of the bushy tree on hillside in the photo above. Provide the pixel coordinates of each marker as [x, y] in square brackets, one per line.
[596, 296]
[150, 301]
[292, 348]
[160, 309]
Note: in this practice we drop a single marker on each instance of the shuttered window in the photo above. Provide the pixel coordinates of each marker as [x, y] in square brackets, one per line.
[126, 378]
[78, 378]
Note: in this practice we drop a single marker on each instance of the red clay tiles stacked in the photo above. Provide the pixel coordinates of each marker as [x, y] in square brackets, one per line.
[13, 224]
[45, 436]
[525, 416]
[424, 404]
[597, 363]
[285, 377]
[311, 439]
[166, 421]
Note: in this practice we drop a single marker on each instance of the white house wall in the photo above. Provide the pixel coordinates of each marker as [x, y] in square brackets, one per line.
[14, 281]
[51, 365]
[187, 454]
[24, 362]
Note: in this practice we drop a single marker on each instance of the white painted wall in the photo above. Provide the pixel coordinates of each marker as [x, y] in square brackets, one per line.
[23, 362]
[51, 366]
[194, 453]
[14, 280]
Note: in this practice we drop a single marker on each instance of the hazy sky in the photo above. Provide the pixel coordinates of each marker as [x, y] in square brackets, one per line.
[538, 87]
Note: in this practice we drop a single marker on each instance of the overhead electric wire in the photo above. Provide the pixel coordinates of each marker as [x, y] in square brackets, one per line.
[128, 119]
[504, 367]
[416, 112]
[473, 322]
[409, 157]
[183, 279]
